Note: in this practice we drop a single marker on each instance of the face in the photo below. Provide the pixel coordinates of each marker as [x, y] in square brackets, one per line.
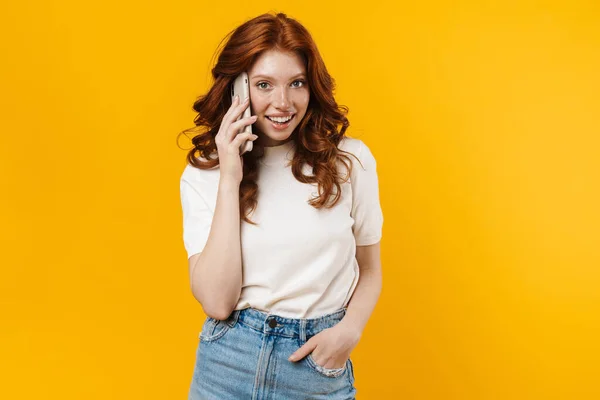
[278, 90]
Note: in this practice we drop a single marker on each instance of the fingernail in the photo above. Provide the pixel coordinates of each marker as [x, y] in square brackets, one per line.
[237, 97]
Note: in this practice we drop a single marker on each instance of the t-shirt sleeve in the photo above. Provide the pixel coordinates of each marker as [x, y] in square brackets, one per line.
[366, 208]
[197, 216]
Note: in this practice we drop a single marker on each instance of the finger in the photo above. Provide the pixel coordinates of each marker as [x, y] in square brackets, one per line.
[237, 126]
[231, 109]
[303, 351]
[241, 139]
[226, 120]
[233, 115]
[240, 107]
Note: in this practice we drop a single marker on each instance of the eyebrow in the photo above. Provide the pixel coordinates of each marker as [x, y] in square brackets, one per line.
[270, 77]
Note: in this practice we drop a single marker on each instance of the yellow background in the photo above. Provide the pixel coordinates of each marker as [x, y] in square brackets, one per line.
[483, 117]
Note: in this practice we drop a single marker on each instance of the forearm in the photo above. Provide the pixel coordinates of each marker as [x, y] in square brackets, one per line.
[217, 276]
[364, 299]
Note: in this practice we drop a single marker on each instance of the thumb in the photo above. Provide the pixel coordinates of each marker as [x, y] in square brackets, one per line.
[303, 351]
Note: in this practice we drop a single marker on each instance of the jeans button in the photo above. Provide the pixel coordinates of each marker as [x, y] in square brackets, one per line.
[272, 323]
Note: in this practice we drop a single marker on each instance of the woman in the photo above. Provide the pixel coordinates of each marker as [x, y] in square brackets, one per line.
[278, 237]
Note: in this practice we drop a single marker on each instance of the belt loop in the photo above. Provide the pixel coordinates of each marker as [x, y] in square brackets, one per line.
[233, 318]
[302, 330]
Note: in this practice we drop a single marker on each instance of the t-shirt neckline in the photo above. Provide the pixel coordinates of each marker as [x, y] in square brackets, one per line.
[278, 155]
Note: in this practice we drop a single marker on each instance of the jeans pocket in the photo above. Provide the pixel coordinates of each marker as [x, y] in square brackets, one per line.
[328, 372]
[213, 329]
[350, 371]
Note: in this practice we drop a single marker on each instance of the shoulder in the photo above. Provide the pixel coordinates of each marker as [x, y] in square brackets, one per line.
[351, 145]
[358, 148]
[200, 177]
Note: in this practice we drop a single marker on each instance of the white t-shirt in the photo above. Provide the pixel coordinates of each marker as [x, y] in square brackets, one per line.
[299, 261]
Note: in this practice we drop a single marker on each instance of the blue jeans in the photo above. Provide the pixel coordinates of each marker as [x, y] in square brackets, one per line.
[246, 357]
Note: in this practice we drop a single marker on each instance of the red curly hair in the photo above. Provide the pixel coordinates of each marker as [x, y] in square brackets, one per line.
[316, 137]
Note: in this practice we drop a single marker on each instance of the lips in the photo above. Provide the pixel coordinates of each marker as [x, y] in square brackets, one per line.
[281, 126]
[279, 116]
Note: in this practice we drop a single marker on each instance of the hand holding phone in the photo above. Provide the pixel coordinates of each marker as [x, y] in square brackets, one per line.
[229, 141]
[241, 88]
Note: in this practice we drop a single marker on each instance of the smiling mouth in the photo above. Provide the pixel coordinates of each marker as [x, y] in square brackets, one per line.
[280, 123]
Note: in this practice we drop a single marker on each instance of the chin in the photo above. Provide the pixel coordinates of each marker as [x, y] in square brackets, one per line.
[272, 138]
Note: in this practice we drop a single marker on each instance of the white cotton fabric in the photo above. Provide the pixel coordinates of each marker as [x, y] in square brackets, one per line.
[299, 262]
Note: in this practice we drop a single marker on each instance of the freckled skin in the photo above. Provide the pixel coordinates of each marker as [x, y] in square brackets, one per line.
[282, 92]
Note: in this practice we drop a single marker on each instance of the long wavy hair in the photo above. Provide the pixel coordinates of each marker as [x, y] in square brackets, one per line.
[316, 137]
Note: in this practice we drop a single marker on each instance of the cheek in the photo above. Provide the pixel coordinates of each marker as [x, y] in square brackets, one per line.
[258, 105]
[255, 99]
[301, 99]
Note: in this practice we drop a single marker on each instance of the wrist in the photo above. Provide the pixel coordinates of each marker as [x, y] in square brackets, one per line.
[229, 184]
[352, 326]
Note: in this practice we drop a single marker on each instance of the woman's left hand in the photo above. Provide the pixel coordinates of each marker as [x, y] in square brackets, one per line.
[331, 347]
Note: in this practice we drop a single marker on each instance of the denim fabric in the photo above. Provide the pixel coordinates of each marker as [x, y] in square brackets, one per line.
[246, 357]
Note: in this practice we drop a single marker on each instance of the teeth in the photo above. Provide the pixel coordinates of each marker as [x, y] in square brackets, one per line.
[280, 119]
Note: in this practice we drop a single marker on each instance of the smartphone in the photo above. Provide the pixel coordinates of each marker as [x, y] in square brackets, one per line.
[241, 87]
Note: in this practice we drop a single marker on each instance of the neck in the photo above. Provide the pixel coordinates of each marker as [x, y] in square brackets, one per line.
[266, 141]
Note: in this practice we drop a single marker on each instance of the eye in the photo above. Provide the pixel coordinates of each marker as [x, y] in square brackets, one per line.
[300, 81]
[265, 85]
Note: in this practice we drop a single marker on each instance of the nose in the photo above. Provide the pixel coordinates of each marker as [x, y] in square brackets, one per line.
[282, 100]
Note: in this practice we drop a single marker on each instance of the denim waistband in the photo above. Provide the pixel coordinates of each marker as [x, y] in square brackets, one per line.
[289, 327]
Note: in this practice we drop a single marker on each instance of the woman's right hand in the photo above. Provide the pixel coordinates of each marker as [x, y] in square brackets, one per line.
[229, 141]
